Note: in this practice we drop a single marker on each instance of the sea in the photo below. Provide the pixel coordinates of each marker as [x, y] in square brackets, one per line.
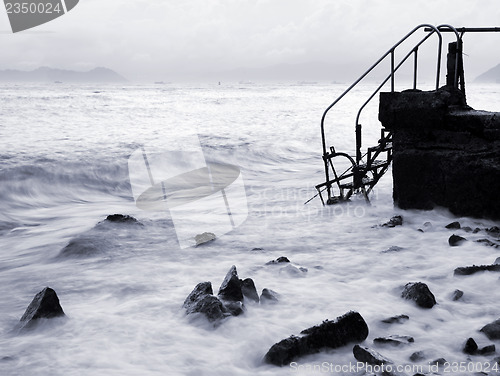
[66, 154]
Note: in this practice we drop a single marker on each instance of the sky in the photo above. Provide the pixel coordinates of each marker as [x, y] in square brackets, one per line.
[172, 40]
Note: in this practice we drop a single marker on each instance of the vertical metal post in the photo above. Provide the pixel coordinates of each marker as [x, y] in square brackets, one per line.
[392, 70]
[358, 143]
[415, 64]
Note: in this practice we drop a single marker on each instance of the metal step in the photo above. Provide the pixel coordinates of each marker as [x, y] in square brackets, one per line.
[381, 147]
[374, 165]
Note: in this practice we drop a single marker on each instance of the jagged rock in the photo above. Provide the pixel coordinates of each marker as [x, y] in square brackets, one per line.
[201, 300]
[392, 249]
[249, 291]
[397, 220]
[497, 261]
[494, 231]
[279, 260]
[453, 226]
[269, 296]
[470, 346]
[366, 355]
[468, 270]
[487, 242]
[120, 218]
[457, 294]
[487, 350]
[420, 293]
[396, 319]
[395, 340]
[348, 328]
[234, 308]
[492, 330]
[45, 304]
[456, 240]
[204, 238]
[230, 289]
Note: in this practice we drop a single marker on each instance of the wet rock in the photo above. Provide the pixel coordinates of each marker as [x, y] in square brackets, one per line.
[456, 240]
[201, 300]
[492, 330]
[396, 319]
[120, 218]
[439, 361]
[418, 356]
[249, 291]
[204, 238]
[45, 305]
[467, 229]
[427, 226]
[397, 220]
[493, 231]
[279, 260]
[468, 270]
[230, 289]
[84, 246]
[395, 340]
[453, 226]
[497, 261]
[366, 355]
[348, 328]
[487, 242]
[487, 350]
[393, 249]
[269, 296]
[470, 346]
[457, 294]
[420, 293]
[293, 271]
[233, 308]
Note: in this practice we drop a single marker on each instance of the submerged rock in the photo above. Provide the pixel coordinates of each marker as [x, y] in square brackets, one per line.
[488, 243]
[453, 226]
[204, 238]
[457, 294]
[230, 289]
[492, 330]
[279, 260]
[395, 340]
[120, 218]
[397, 220]
[366, 355]
[420, 293]
[249, 291]
[468, 270]
[470, 346]
[45, 304]
[269, 296]
[393, 249]
[456, 240]
[399, 319]
[348, 328]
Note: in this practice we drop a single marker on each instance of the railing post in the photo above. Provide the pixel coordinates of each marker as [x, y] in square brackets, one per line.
[392, 70]
[415, 65]
[358, 143]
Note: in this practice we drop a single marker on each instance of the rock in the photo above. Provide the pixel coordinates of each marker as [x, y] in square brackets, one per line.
[279, 260]
[120, 218]
[293, 271]
[487, 242]
[45, 305]
[366, 355]
[493, 231]
[439, 361]
[492, 330]
[204, 238]
[427, 226]
[420, 293]
[392, 249]
[468, 270]
[470, 346]
[453, 226]
[397, 220]
[269, 296]
[395, 340]
[467, 229]
[497, 261]
[234, 308]
[230, 289]
[487, 350]
[418, 356]
[249, 291]
[456, 240]
[396, 319]
[457, 294]
[201, 300]
[348, 328]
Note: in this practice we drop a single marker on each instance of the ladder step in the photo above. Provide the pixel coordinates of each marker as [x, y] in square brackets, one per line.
[374, 165]
[382, 147]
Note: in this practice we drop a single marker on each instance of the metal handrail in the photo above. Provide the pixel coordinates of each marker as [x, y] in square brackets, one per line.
[393, 70]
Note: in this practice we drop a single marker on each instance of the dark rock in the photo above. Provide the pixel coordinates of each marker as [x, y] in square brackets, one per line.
[487, 242]
[418, 356]
[249, 291]
[476, 230]
[366, 355]
[279, 260]
[84, 246]
[45, 304]
[457, 294]
[201, 300]
[492, 330]
[120, 218]
[494, 231]
[395, 340]
[392, 249]
[293, 271]
[470, 346]
[468, 270]
[439, 361]
[397, 220]
[257, 249]
[453, 226]
[269, 296]
[497, 261]
[497, 360]
[396, 319]
[456, 240]
[420, 293]
[206, 237]
[487, 350]
[348, 328]
[230, 289]
[233, 308]
[467, 229]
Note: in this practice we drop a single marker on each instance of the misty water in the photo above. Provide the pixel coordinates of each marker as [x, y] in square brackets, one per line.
[64, 153]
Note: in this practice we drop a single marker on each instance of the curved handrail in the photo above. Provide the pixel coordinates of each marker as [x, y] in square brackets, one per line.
[389, 52]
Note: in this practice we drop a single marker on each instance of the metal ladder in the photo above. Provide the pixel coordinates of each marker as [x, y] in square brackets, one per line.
[365, 170]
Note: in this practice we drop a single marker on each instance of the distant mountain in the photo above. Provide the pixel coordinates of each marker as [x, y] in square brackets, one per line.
[45, 74]
[490, 76]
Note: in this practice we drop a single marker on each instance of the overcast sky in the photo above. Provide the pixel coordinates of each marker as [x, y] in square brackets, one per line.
[172, 39]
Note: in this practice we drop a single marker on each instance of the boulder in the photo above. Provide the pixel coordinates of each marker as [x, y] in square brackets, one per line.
[420, 293]
[487, 350]
[279, 260]
[456, 240]
[399, 319]
[453, 225]
[120, 218]
[249, 291]
[230, 289]
[457, 294]
[470, 346]
[269, 296]
[395, 340]
[201, 300]
[397, 220]
[45, 305]
[492, 330]
[468, 270]
[348, 328]
[366, 355]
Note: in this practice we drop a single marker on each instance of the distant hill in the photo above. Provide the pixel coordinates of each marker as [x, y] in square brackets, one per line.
[45, 74]
[490, 76]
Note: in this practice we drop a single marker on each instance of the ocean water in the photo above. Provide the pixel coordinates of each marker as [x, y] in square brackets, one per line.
[64, 153]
